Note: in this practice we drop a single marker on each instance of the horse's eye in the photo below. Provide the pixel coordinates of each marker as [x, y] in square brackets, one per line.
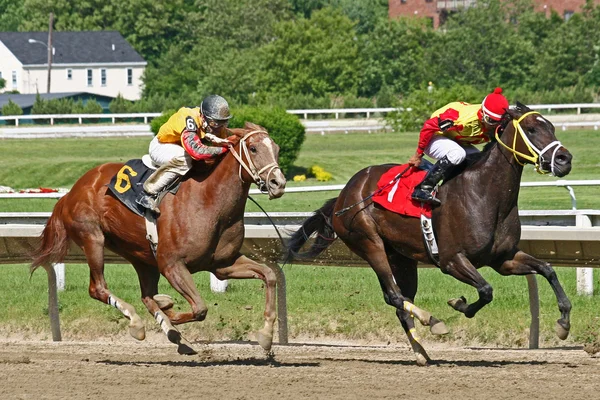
[531, 130]
[253, 149]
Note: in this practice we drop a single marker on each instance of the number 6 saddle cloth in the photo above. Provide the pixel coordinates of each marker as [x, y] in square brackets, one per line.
[129, 182]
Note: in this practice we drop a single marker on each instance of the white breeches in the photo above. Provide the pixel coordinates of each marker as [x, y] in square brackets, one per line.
[173, 161]
[441, 146]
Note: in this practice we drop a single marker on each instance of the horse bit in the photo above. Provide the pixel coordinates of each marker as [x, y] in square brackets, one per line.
[535, 154]
[250, 167]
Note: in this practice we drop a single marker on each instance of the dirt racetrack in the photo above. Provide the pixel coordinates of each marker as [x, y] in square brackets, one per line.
[153, 370]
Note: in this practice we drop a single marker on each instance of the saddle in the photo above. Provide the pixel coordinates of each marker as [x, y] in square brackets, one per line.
[397, 198]
[129, 182]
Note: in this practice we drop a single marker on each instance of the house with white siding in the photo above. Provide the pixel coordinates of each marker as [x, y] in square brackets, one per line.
[98, 62]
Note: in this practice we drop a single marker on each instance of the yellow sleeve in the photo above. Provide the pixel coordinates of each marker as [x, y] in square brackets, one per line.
[170, 131]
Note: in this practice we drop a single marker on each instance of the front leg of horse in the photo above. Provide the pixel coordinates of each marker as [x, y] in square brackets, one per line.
[245, 268]
[524, 264]
[462, 269]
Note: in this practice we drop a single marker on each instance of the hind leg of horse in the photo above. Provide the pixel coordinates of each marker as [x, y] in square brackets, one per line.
[158, 305]
[406, 275]
[462, 269]
[93, 247]
[373, 251]
[245, 268]
[524, 264]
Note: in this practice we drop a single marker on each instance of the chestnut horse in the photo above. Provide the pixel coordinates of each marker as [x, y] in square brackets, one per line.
[476, 225]
[199, 229]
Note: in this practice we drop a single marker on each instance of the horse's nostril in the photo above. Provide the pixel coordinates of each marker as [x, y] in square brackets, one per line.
[274, 183]
[562, 159]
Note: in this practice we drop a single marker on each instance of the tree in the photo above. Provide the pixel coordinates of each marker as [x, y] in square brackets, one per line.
[2, 83]
[315, 56]
[393, 55]
[11, 15]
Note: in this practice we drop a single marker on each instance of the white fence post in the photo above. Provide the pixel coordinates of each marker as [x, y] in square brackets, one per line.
[59, 270]
[585, 281]
[217, 285]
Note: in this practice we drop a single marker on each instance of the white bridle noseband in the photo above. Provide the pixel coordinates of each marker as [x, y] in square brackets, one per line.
[249, 165]
[535, 154]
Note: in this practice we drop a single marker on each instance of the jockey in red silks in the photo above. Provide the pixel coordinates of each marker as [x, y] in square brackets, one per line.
[182, 139]
[450, 134]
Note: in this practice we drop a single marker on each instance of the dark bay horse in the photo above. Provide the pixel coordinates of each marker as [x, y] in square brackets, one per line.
[476, 225]
[200, 229]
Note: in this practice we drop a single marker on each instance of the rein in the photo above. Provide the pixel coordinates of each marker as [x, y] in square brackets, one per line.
[535, 154]
[249, 166]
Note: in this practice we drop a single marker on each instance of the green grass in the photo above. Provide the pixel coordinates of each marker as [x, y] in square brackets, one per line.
[322, 301]
[60, 162]
[340, 302]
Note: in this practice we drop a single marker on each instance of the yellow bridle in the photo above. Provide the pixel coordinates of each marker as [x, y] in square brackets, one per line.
[534, 154]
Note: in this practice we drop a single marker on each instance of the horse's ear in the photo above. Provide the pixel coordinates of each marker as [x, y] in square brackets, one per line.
[522, 107]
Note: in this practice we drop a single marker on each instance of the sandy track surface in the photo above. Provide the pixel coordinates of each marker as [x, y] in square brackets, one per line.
[153, 370]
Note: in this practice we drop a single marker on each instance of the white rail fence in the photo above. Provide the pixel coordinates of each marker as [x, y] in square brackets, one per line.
[304, 113]
[567, 184]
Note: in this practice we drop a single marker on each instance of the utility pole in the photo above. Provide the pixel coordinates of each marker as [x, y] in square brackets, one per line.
[50, 23]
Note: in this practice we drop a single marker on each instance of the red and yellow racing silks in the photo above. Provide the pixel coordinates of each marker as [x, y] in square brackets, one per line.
[466, 127]
[184, 119]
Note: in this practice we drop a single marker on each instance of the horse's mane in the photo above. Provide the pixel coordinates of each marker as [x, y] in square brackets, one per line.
[473, 158]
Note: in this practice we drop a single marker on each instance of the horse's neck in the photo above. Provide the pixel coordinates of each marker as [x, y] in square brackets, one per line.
[495, 181]
[224, 184]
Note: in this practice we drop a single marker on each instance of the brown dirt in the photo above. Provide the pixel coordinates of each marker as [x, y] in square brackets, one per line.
[152, 369]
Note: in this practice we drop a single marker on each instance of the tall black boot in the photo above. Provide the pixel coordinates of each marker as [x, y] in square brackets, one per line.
[423, 191]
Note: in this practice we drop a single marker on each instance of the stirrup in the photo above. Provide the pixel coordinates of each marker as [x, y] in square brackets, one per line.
[425, 197]
[145, 200]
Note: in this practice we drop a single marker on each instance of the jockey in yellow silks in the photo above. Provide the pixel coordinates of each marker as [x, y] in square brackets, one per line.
[182, 139]
[451, 133]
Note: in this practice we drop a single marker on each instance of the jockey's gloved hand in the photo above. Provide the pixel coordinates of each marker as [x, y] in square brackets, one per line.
[445, 124]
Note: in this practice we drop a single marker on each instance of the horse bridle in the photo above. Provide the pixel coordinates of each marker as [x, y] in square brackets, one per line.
[249, 166]
[535, 154]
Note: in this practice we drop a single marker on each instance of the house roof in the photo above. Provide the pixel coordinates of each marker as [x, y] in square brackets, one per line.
[85, 47]
[27, 100]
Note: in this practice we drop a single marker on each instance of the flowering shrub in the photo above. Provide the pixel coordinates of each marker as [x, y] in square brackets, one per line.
[299, 178]
[320, 173]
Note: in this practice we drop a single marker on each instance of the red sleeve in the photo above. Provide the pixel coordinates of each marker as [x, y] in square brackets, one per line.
[198, 150]
[431, 127]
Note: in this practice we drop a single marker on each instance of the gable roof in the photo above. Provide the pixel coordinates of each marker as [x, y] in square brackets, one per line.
[85, 47]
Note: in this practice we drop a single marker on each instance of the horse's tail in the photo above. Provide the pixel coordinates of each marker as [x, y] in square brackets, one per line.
[54, 241]
[319, 222]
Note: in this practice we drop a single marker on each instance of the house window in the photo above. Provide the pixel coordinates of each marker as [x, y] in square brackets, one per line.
[129, 76]
[14, 79]
[103, 77]
[69, 74]
[568, 14]
[89, 77]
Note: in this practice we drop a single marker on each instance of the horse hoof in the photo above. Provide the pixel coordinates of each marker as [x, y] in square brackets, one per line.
[458, 304]
[164, 301]
[437, 327]
[421, 359]
[561, 331]
[264, 340]
[136, 328]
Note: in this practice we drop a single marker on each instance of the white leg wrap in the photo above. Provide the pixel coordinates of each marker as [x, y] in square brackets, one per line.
[161, 319]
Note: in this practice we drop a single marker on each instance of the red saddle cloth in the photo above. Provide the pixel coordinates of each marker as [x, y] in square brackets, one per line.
[396, 197]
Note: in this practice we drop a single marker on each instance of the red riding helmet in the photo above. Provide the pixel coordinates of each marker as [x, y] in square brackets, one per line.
[494, 106]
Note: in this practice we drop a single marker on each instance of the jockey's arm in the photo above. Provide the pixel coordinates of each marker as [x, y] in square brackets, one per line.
[193, 145]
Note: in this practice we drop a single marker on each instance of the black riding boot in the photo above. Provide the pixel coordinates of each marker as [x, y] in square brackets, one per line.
[423, 191]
